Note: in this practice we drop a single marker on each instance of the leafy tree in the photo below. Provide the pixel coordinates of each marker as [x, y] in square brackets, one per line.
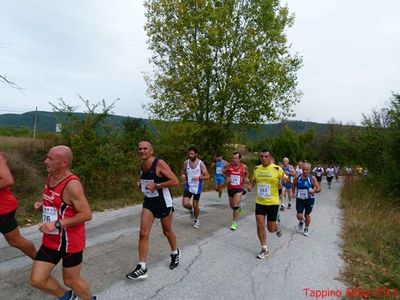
[107, 168]
[220, 63]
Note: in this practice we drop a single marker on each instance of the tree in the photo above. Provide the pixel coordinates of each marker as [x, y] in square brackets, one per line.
[220, 63]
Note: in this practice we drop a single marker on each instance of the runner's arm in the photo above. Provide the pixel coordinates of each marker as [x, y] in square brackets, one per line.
[6, 178]
[204, 172]
[75, 195]
[317, 187]
[183, 173]
[165, 171]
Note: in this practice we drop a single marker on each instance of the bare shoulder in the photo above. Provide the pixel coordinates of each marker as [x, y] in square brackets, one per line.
[162, 164]
[73, 188]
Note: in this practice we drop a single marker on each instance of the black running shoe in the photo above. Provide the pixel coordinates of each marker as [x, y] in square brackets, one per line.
[175, 260]
[138, 273]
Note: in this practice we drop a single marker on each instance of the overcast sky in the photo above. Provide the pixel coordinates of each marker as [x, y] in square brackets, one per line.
[55, 49]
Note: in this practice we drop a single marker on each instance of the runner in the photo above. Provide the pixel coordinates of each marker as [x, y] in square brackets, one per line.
[237, 174]
[307, 185]
[330, 173]
[287, 187]
[218, 165]
[194, 173]
[156, 177]
[8, 207]
[266, 178]
[299, 171]
[318, 171]
[337, 172]
[65, 211]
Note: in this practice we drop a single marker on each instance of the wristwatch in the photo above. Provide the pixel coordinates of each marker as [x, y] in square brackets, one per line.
[57, 224]
[158, 185]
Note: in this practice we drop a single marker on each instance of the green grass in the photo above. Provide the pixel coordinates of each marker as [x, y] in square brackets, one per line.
[371, 236]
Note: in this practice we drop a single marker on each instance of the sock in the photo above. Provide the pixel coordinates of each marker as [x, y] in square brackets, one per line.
[142, 264]
[301, 222]
[175, 251]
[265, 247]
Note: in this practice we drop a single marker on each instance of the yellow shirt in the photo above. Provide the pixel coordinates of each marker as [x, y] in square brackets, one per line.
[267, 179]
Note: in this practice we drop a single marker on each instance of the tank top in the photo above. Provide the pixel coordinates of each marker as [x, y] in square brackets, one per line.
[299, 171]
[303, 187]
[160, 197]
[195, 187]
[69, 239]
[288, 172]
[219, 167]
[8, 202]
[319, 171]
[236, 176]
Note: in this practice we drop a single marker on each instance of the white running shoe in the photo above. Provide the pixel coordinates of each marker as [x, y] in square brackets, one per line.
[306, 232]
[299, 227]
[196, 224]
[263, 253]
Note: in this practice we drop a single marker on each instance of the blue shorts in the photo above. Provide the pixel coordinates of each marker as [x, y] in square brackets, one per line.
[219, 180]
[287, 186]
[304, 205]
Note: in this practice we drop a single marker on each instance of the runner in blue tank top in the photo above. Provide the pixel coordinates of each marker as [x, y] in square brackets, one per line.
[307, 185]
[218, 165]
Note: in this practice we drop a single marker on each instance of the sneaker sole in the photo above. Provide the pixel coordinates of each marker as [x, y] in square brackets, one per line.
[137, 278]
[180, 255]
[265, 256]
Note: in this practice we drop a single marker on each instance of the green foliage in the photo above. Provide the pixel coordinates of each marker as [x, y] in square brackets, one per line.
[381, 143]
[220, 63]
[15, 131]
[369, 215]
[104, 159]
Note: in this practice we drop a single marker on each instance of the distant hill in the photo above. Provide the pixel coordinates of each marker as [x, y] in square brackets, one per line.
[47, 122]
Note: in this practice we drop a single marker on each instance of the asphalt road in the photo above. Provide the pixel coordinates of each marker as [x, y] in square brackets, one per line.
[216, 263]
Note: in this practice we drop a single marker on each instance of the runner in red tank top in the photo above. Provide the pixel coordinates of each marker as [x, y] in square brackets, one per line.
[8, 206]
[65, 211]
[237, 174]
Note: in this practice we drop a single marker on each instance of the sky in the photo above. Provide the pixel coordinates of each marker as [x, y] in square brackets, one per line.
[97, 49]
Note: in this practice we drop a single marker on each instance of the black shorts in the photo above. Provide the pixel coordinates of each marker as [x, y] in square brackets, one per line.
[232, 192]
[187, 194]
[319, 178]
[304, 205]
[329, 179]
[54, 256]
[158, 211]
[8, 222]
[271, 211]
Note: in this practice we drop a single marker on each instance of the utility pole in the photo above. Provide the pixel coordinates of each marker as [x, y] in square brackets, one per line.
[35, 124]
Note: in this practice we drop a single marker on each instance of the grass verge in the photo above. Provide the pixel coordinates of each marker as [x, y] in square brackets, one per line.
[371, 236]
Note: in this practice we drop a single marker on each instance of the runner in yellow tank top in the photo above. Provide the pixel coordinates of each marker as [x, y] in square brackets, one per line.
[266, 178]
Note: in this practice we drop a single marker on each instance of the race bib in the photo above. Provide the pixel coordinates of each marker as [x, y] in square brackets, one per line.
[235, 179]
[50, 215]
[264, 190]
[302, 194]
[145, 191]
[218, 170]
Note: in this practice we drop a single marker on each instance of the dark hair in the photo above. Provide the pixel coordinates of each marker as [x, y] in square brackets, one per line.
[266, 150]
[194, 149]
[237, 152]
